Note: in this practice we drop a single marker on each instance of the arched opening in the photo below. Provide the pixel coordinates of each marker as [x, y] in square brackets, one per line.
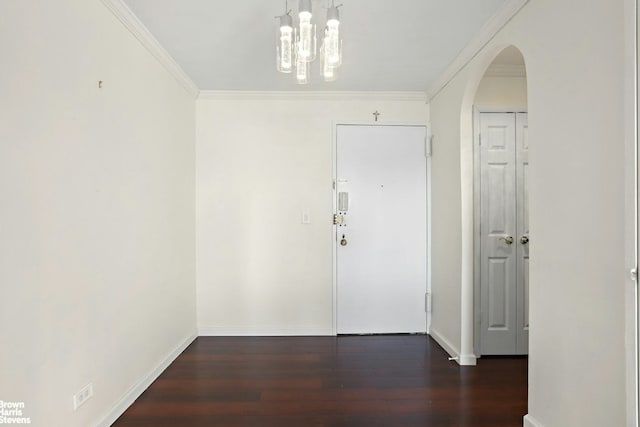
[497, 86]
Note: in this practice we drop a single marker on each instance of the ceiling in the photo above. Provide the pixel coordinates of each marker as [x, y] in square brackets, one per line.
[400, 45]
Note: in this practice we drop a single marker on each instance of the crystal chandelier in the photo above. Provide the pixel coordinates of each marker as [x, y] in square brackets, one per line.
[297, 46]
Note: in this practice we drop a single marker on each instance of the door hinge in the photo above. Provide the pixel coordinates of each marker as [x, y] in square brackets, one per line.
[428, 145]
[427, 302]
[338, 219]
[634, 274]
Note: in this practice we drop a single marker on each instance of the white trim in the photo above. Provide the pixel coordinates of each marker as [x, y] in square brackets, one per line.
[334, 232]
[240, 95]
[380, 123]
[486, 34]
[632, 297]
[529, 421]
[429, 307]
[505, 109]
[477, 307]
[461, 359]
[444, 343]
[506, 70]
[134, 392]
[467, 360]
[248, 331]
[131, 22]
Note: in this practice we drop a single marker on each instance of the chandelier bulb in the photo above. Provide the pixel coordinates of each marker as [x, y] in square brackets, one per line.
[332, 38]
[306, 32]
[284, 53]
[302, 71]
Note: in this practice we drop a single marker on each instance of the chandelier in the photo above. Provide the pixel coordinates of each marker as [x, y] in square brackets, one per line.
[296, 46]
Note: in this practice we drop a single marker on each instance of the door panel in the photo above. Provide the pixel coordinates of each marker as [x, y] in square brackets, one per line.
[522, 221]
[498, 231]
[382, 268]
[526, 300]
[497, 200]
[504, 233]
[498, 295]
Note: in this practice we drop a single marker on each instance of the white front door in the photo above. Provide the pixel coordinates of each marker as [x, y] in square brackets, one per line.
[504, 233]
[381, 244]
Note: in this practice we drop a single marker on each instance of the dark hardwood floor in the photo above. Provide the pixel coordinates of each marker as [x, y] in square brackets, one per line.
[350, 381]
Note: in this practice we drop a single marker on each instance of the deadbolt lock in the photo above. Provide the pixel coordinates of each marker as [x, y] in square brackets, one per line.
[343, 242]
[524, 239]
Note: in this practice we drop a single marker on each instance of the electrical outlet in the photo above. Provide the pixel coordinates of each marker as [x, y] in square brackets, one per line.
[82, 396]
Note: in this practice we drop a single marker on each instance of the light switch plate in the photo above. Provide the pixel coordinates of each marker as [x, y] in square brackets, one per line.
[306, 217]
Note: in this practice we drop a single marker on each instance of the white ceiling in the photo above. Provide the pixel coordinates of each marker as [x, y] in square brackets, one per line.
[399, 45]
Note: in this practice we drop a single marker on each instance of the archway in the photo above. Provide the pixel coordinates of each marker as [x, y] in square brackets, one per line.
[498, 81]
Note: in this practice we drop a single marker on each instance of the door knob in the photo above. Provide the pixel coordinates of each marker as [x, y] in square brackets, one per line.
[524, 239]
[507, 239]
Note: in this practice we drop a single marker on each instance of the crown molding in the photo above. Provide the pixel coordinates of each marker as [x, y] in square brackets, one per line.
[239, 95]
[131, 22]
[506, 70]
[501, 18]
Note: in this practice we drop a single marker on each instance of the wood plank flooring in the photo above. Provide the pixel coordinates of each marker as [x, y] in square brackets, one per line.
[350, 381]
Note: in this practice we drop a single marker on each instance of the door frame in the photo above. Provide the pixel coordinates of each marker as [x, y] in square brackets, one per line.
[334, 207]
[477, 260]
[633, 354]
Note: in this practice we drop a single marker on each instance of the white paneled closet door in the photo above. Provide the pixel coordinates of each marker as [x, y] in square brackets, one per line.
[504, 233]
[522, 233]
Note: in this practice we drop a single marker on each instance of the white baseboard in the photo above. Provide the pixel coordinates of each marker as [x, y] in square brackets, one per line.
[247, 331]
[529, 421]
[139, 388]
[467, 360]
[444, 343]
[461, 359]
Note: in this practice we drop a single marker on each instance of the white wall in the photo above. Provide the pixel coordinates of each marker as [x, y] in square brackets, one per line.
[261, 160]
[97, 264]
[496, 91]
[446, 220]
[578, 273]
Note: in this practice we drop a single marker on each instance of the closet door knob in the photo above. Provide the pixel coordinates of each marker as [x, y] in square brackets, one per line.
[507, 239]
